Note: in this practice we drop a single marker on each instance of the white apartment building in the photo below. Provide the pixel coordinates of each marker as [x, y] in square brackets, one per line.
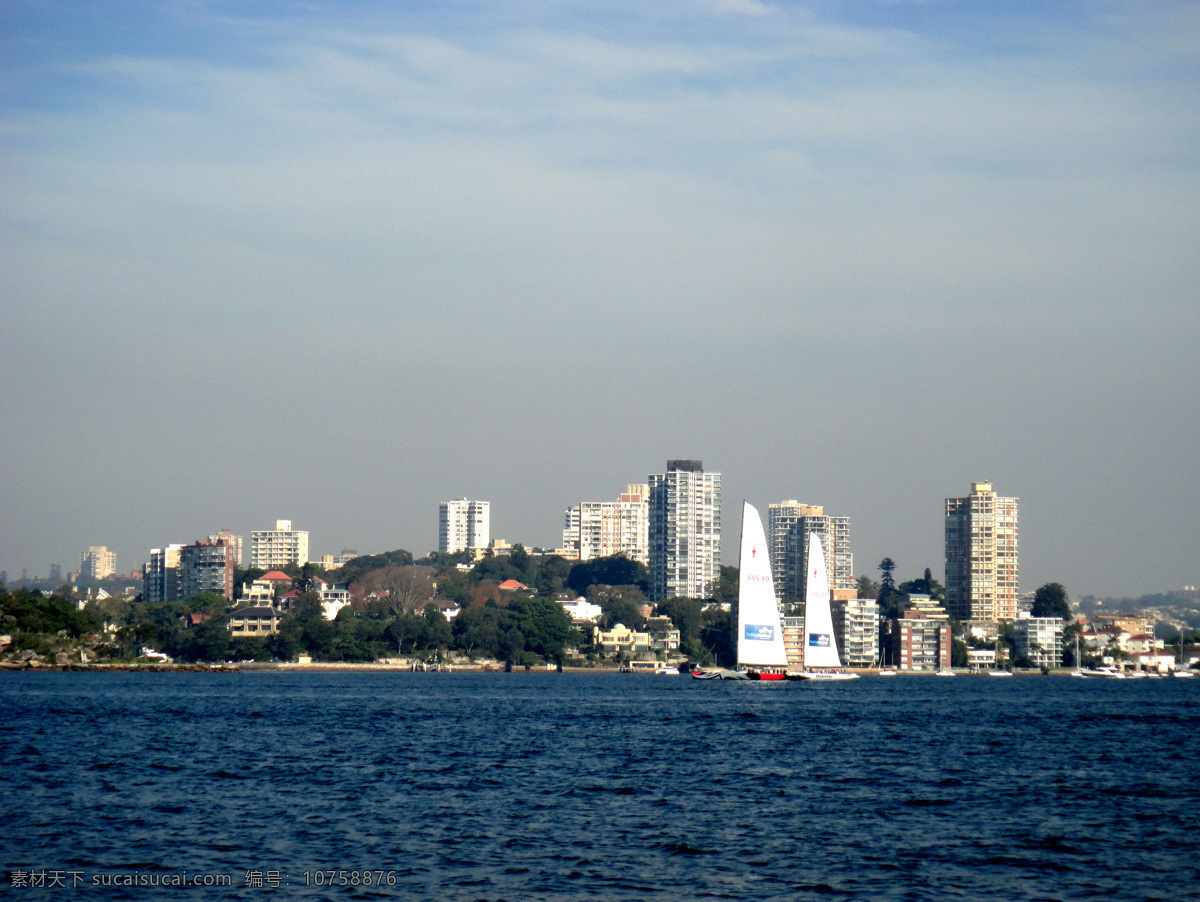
[685, 530]
[796, 523]
[981, 555]
[160, 575]
[603, 528]
[97, 562]
[278, 547]
[1039, 639]
[464, 525]
[856, 628]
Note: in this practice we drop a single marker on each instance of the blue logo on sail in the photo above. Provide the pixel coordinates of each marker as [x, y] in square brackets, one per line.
[760, 633]
[818, 640]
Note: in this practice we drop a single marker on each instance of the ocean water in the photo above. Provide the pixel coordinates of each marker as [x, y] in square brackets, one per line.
[597, 786]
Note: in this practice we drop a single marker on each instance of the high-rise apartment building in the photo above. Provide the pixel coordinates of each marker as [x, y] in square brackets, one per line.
[603, 528]
[235, 542]
[97, 562]
[981, 555]
[278, 547]
[791, 525]
[685, 530]
[160, 575]
[206, 566]
[178, 572]
[464, 525]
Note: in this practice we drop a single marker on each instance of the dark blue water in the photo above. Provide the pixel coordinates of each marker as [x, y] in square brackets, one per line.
[565, 787]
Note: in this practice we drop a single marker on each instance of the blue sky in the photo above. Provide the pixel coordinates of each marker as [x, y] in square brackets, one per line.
[335, 263]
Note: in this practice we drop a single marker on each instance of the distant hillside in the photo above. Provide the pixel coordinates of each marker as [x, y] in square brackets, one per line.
[1173, 610]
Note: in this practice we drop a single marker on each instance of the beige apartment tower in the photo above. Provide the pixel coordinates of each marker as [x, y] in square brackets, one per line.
[981, 555]
[278, 547]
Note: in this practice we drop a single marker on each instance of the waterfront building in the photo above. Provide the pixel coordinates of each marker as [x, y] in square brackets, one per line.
[464, 525]
[856, 629]
[914, 641]
[981, 555]
[1039, 639]
[97, 562]
[684, 530]
[206, 566]
[278, 547]
[603, 528]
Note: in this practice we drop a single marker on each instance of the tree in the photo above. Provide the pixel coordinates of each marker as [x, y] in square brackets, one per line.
[1051, 600]
[685, 615]
[867, 587]
[619, 604]
[724, 589]
[887, 565]
[405, 589]
[544, 624]
[616, 570]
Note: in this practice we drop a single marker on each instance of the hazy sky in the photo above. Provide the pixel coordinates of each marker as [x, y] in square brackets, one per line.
[337, 262]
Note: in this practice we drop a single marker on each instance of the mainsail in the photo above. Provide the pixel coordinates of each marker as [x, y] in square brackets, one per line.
[820, 647]
[760, 635]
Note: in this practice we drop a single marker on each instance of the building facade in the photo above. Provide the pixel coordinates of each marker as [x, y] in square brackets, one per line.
[278, 547]
[97, 563]
[464, 525]
[233, 541]
[834, 536]
[1039, 639]
[981, 555]
[160, 575]
[206, 566]
[915, 642]
[684, 530]
[603, 528]
[856, 629]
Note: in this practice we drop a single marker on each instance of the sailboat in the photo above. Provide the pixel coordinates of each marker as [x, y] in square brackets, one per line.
[760, 651]
[821, 661]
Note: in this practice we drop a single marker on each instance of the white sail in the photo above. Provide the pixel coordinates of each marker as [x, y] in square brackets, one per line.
[820, 647]
[760, 634]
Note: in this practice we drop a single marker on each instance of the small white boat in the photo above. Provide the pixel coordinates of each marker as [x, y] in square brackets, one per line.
[998, 673]
[944, 673]
[1183, 674]
[886, 672]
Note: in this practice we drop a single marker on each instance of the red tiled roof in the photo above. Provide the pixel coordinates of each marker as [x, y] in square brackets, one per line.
[276, 576]
[512, 584]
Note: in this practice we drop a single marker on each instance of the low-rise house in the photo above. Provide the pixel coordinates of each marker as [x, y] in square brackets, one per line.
[622, 640]
[257, 621]
[981, 658]
[188, 621]
[581, 610]
[333, 598]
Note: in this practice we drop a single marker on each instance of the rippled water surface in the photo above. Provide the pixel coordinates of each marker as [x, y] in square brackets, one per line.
[605, 786]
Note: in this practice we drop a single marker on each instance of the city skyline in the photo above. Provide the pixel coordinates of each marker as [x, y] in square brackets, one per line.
[339, 265]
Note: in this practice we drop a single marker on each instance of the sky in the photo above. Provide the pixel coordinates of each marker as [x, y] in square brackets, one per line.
[335, 263]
